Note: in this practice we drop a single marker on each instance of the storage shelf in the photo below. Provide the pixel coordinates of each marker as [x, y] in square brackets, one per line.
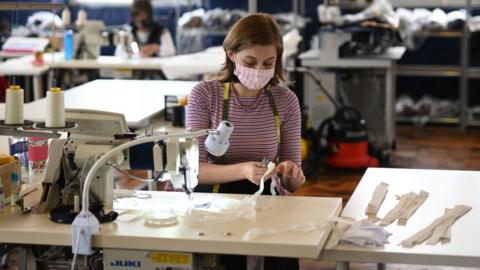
[473, 123]
[429, 70]
[442, 34]
[432, 120]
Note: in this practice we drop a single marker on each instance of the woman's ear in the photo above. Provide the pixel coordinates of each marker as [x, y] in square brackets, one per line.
[231, 55]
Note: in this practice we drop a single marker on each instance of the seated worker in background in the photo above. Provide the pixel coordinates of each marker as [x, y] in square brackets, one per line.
[248, 94]
[152, 38]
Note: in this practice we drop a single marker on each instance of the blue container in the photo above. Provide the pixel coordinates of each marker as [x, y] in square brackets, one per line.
[68, 45]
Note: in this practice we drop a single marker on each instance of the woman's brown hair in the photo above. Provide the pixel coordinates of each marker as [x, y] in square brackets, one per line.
[255, 29]
[142, 6]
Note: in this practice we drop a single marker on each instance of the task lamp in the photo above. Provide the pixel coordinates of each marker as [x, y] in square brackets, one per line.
[86, 224]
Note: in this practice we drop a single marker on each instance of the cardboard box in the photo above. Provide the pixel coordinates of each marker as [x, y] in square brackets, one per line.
[6, 171]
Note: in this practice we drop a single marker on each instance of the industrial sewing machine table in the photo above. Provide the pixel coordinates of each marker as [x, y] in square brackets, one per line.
[277, 212]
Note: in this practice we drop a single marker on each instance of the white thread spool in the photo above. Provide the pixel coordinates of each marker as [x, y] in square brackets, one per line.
[66, 17]
[14, 106]
[81, 18]
[55, 108]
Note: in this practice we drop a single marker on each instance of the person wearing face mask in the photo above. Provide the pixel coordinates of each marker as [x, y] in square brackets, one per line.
[152, 38]
[265, 115]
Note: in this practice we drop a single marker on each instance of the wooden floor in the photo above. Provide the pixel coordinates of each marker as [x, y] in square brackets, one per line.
[420, 148]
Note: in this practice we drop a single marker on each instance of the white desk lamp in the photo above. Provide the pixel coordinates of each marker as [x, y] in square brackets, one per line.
[86, 224]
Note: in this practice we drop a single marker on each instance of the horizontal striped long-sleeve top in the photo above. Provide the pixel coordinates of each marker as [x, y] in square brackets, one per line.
[254, 133]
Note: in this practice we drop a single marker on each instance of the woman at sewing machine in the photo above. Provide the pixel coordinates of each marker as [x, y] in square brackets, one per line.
[265, 115]
[152, 38]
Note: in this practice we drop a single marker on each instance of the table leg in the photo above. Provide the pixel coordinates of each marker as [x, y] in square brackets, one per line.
[390, 85]
[26, 261]
[151, 185]
[381, 266]
[28, 89]
[37, 87]
[343, 266]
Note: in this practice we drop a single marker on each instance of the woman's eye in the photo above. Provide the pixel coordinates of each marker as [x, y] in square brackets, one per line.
[250, 64]
[269, 65]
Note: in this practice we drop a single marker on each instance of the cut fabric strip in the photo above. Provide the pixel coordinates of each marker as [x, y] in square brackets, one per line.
[406, 206]
[403, 202]
[376, 201]
[437, 229]
[415, 204]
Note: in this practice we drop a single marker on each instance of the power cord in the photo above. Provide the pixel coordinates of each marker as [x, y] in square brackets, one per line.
[75, 251]
[157, 178]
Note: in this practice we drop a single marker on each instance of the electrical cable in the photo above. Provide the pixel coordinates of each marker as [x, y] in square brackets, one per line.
[75, 251]
[157, 178]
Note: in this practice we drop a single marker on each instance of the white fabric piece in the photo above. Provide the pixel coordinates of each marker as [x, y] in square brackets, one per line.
[404, 201]
[443, 232]
[376, 201]
[254, 233]
[457, 212]
[438, 20]
[270, 168]
[414, 205]
[379, 9]
[338, 230]
[365, 234]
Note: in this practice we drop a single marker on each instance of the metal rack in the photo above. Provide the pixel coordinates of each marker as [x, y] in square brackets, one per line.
[463, 71]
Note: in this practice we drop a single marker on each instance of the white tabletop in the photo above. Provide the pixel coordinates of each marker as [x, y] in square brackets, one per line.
[209, 61]
[314, 58]
[9, 54]
[447, 189]
[279, 212]
[137, 100]
[22, 66]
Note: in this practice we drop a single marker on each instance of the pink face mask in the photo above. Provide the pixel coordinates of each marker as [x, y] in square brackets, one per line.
[252, 78]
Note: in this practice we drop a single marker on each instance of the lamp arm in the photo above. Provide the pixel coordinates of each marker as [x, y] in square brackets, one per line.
[105, 157]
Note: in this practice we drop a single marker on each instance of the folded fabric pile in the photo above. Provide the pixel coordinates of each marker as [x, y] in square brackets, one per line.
[364, 233]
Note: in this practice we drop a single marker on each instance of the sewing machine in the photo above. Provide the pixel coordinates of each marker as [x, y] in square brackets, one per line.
[97, 133]
[173, 157]
[89, 39]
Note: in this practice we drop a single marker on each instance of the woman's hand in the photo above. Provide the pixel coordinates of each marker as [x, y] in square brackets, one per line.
[253, 171]
[292, 175]
[149, 50]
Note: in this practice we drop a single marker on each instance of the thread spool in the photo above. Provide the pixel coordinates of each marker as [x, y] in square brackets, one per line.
[55, 108]
[14, 106]
[81, 18]
[66, 17]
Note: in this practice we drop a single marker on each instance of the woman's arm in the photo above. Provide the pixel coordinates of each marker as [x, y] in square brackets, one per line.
[290, 154]
[219, 174]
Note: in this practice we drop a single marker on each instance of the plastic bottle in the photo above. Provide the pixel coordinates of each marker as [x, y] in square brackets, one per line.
[2, 196]
[15, 189]
[19, 149]
[68, 45]
[37, 158]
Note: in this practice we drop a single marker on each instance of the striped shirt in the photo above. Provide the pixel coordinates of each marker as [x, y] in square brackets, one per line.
[254, 133]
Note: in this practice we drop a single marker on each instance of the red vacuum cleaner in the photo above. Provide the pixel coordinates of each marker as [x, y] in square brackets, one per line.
[343, 138]
[347, 140]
